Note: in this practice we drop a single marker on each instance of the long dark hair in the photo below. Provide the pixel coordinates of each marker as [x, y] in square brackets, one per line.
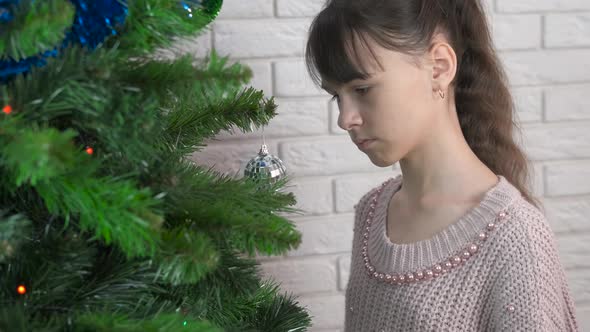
[485, 107]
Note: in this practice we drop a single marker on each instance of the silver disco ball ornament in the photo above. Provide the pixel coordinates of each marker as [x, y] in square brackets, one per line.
[265, 168]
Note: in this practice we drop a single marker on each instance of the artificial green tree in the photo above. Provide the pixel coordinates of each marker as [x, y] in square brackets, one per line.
[105, 222]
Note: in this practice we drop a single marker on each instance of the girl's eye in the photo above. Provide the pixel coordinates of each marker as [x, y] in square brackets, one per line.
[362, 91]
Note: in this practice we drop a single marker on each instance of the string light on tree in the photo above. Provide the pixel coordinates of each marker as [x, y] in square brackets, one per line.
[21, 289]
[7, 109]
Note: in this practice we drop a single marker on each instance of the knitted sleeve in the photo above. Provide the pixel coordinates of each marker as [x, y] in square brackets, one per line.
[531, 293]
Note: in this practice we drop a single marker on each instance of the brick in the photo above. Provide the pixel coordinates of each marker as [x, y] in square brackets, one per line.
[344, 271]
[260, 38]
[567, 30]
[578, 281]
[528, 104]
[334, 112]
[541, 5]
[568, 178]
[349, 190]
[295, 118]
[230, 158]
[583, 311]
[568, 214]
[573, 250]
[301, 8]
[292, 80]
[246, 9]
[199, 46]
[515, 32]
[314, 194]
[537, 181]
[261, 76]
[547, 66]
[327, 310]
[568, 102]
[326, 235]
[554, 141]
[301, 276]
[325, 156]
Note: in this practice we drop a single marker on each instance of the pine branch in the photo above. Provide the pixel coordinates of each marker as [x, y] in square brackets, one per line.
[153, 23]
[236, 208]
[189, 123]
[36, 154]
[37, 26]
[185, 256]
[115, 210]
[177, 78]
[109, 322]
[13, 230]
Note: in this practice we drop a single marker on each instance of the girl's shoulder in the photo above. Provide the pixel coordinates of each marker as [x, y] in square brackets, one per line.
[526, 234]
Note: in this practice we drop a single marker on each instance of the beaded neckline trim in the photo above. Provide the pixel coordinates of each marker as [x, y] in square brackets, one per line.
[436, 270]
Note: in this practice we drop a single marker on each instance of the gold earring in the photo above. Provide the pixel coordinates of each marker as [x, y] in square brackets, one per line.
[441, 93]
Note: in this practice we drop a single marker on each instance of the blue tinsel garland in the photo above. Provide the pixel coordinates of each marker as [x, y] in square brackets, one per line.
[93, 22]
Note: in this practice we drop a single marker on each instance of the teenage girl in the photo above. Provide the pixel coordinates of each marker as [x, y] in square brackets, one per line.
[456, 242]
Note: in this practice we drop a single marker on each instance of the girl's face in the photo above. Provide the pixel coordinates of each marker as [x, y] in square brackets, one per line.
[394, 106]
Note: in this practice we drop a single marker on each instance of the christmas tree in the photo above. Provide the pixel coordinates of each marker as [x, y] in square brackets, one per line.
[105, 224]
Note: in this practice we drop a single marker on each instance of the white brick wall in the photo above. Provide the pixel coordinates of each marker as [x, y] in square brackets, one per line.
[545, 46]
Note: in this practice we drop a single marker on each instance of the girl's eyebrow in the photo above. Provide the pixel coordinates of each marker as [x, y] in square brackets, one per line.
[327, 88]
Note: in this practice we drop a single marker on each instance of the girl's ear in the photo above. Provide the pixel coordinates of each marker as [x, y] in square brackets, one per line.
[444, 65]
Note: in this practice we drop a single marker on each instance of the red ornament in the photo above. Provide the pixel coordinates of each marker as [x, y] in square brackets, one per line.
[7, 109]
[21, 289]
[89, 150]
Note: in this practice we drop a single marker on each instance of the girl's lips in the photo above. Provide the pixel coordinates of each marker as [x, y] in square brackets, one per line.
[365, 144]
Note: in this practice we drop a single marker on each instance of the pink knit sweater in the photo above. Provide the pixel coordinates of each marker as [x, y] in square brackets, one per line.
[496, 269]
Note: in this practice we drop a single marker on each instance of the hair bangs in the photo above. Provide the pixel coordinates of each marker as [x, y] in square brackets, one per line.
[331, 46]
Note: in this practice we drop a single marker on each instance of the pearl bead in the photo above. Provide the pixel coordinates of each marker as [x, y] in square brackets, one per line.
[434, 271]
[510, 308]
